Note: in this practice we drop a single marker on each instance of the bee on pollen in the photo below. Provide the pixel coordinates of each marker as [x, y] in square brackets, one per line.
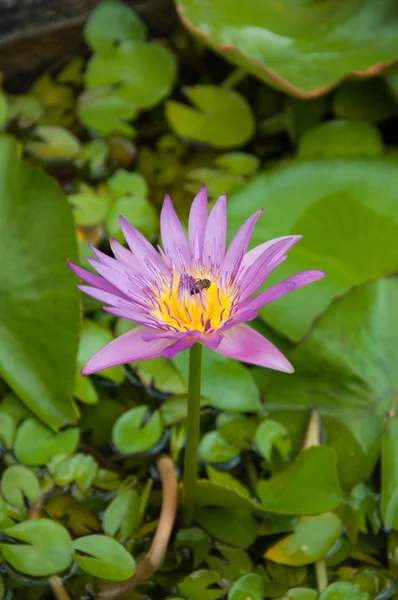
[199, 285]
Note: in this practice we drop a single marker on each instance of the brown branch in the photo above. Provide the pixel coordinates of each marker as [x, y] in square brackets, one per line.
[157, 551]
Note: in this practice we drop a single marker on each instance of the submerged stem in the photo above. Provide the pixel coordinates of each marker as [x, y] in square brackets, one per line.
[192, 435]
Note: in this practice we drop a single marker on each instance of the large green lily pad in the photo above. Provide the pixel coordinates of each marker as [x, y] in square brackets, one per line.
[346, 367]
[347, 211]
[39, 310]
[301, 47]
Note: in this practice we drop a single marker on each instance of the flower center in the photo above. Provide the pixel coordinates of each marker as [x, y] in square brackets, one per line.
[192, 304]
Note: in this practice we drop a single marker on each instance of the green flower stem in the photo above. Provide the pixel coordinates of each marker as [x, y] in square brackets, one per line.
[321, 575]
[235, 78]
[192, 435]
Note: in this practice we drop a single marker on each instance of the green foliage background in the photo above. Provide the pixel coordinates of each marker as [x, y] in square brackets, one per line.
[306, 128]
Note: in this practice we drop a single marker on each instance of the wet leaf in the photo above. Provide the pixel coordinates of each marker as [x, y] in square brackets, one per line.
[195, 586]
[331, 192]
[143, 73]
[45, 547]
[346, 368]
[18, 483]
[302, 49]
[35, 444]
[309, 486]
[271, 434]
[121, 516]
[110, 23]
[103, 557]
[226, 383]
[56, 144]
[341, 138]
[311, 539]
[221, 118]
[39, 304]
[135, 431]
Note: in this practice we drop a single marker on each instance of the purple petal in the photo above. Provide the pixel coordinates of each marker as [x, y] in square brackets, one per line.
[198, 216]
[180, 345]
[252, 255]
[173, 236]
[216, 233]
[129, 347]
[280, 289]
[257, 273]
[211, 340]
[119, 279]
[238, 246]
[96, 280]
[243, 343]
[123, 255]
[143, 251]
[102, 296]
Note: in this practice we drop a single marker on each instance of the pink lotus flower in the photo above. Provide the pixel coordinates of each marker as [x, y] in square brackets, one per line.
[190, 291]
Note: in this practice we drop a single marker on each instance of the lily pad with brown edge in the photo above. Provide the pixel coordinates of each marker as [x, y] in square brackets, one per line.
[303, 48]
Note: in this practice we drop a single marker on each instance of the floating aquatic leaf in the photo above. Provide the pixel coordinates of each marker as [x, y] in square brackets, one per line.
[271, 434]
[56, 144]
[341, 138]
[142, 73]
[309, 486]
[103, 557]
[331, 192]
[18, 483]
[106, 112]
[303, 49]
[221, 118]
[110, 23]
[39, 309]
[135, 431]
[310, 541]
[45, 547]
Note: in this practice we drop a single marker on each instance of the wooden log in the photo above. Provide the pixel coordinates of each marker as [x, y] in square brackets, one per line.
[35, 33]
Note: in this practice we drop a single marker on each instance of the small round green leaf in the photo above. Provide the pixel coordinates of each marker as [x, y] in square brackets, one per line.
[217, 522]
[35, 444]
[133, 433]
[89, 208]
[195, 586]
[221, 118]
[213, 448]
[106, 112]
[110, 23]
[124, 183]
[18, 483]
[143, 73]
[57, 144]
[137, 211]
[343, 590]
[103, 557]
[311, 539]
[248, 587]
[94, 337]
[45, 547]
[238, 163]
[272, 434]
